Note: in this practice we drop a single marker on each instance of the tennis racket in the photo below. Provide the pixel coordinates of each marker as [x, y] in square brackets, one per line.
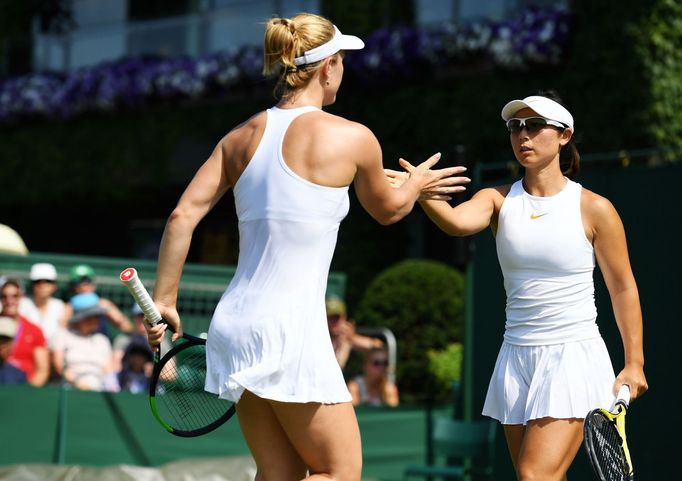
[176, 389]
[605, 440]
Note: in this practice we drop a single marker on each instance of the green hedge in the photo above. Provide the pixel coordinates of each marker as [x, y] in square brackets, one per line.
[421, 301]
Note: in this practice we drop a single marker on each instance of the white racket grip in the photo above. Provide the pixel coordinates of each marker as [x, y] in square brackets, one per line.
[131, 280]
[624, 394]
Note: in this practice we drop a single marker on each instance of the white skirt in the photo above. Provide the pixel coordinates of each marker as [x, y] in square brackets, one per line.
[560, 381]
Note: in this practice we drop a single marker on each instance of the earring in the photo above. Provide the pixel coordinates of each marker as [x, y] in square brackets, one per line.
[327, 82]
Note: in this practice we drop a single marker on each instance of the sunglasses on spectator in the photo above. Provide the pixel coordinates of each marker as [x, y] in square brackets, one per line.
[378, 363]
[83, 280]
[531, 124]
[10, 296]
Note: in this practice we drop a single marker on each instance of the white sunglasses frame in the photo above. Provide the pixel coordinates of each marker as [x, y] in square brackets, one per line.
[522, 123]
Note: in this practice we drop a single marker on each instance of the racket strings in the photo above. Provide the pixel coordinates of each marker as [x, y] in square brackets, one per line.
[180, 397]
[608, 448]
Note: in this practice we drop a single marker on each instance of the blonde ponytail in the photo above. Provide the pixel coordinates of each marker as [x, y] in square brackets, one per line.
[285, 39]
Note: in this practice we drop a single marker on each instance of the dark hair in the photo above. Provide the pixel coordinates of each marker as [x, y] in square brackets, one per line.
[569, 157]
[11, 281]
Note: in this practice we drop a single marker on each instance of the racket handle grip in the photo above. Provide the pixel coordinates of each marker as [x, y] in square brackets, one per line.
[623, 394]
[132, 281]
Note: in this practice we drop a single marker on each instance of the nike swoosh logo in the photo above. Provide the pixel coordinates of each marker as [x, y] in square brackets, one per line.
[533, 216]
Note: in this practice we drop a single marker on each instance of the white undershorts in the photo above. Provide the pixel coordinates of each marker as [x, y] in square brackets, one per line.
[560, 381]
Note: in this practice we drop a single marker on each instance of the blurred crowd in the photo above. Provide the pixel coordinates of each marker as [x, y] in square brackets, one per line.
[370, 384]
[86, 341]
[83, 340]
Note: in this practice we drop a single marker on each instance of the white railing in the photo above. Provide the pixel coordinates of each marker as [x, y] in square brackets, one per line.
[220, 25]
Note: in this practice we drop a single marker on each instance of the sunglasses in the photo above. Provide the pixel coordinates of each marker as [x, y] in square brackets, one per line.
[531, 124]
[380, 363]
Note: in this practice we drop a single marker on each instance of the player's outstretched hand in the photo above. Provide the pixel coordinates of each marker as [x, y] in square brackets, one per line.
[435, 184]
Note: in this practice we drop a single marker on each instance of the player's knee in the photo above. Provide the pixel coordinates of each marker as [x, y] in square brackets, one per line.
[529, 472]
[350, 471]
[280, 474]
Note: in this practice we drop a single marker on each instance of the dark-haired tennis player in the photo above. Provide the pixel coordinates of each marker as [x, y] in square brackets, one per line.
[553, 367]
[268, 347]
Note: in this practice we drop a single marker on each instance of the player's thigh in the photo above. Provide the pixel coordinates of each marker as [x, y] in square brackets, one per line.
[276, 458]
[326, 436]
[514, 434]
[549, 447]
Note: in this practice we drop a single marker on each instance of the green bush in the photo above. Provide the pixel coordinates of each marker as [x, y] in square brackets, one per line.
[446, 364]
[421, 301]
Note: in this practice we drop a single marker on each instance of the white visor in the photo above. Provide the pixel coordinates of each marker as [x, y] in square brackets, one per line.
[545, 107]
[338, 42]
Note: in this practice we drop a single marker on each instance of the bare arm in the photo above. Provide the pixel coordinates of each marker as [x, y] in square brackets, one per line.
[387, 203]
[41, 372]
[114, 314]
[206, 188]
[465, 219]
[611, 252]
[390, 394]
[354, 390]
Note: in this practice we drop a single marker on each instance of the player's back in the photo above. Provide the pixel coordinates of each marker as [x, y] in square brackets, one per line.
[288, 224]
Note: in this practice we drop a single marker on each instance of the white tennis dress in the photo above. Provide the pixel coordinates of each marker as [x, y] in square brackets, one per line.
[269, 331]
[553, 361]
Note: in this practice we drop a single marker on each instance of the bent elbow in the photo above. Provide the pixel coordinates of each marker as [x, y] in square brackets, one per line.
[181, 216]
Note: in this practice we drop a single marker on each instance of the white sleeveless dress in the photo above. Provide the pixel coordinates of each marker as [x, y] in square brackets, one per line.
[269, 331]
[553, 361]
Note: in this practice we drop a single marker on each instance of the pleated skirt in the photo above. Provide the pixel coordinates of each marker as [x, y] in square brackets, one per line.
[560, 381]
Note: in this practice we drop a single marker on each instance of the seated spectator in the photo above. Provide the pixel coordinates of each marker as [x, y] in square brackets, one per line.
[373, 387]
[342, 332]
[83, 355]
[82, 281]
[29, 350]
[133, 356]
[42, 308]
[9, 373]
[137, 366]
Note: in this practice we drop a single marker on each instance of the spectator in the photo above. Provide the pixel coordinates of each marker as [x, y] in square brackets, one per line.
[373, 387]
[42, 308]
[133, 356]
[9, 373]
[342, 332]
[29, 350]
[83, 355]
[137, 366]
[82, 280]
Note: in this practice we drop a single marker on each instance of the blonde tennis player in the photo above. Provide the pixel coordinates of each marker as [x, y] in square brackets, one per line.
[553, 366]
[268, 346]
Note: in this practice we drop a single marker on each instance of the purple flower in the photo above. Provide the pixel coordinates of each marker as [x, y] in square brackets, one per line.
[537, 36]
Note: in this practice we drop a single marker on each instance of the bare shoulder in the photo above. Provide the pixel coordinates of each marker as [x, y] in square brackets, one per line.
[596, 206]
[331, 136]
[598, 211]
[237, 147]
[243, 133]
[495, 194]
[339, 128]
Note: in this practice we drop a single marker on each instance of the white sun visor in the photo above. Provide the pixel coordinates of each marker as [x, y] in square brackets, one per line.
[338, 42]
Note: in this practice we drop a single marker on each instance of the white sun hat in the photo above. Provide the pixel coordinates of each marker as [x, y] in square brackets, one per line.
[43, 271]
[338, 42]
[544, 106]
